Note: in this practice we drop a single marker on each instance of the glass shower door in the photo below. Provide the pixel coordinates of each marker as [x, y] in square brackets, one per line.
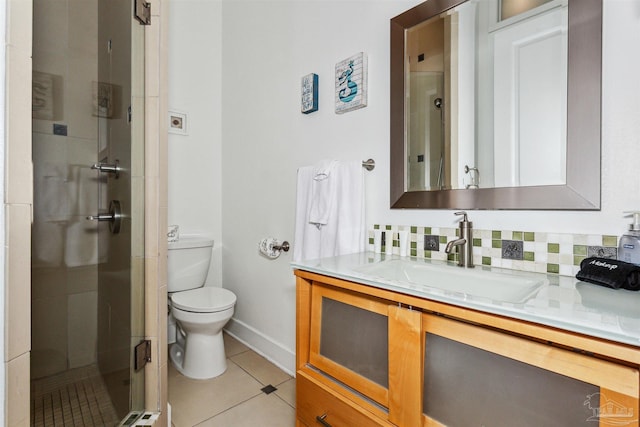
[121, 246]
[87, 282]
[426, 152]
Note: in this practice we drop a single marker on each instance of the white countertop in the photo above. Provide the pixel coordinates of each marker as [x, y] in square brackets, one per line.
[561, 302]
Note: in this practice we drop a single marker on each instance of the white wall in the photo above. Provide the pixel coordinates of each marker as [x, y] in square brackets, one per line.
[267, 46]
[195, 37]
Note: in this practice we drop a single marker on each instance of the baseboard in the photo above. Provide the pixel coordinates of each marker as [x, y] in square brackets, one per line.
[271, 350]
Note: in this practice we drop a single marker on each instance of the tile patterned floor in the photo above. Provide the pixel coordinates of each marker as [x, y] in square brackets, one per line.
[77, 397]
[234, 398]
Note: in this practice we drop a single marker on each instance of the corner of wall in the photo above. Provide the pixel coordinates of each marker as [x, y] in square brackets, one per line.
[274, 352]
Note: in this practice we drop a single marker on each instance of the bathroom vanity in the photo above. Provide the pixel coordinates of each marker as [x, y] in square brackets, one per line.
[384, 341]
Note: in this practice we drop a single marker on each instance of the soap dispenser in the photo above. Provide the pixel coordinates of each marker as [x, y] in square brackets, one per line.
[629, 246]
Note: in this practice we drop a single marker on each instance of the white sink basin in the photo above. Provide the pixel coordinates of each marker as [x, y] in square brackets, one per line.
[507, 286]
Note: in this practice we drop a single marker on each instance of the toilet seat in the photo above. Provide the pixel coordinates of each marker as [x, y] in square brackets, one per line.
[207, 299]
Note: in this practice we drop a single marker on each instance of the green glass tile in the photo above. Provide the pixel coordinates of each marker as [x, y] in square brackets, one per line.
[529, 256]
[553, 268]
[529, 236]
[611, 241]
[486, 260]
[414, 229]
[376, 226]
[427, 254]
[388, 227]
[580, 250]
[577, 259]
[553, 248]
[517, 235]
[477, 242]
[496, 244]
[371, 240]
[414, 252]
[414, 245]
[427, 230]
[452, 257]
[443, 239]
[496, 234]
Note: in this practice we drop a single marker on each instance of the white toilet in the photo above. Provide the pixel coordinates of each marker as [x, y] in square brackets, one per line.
[200, 311]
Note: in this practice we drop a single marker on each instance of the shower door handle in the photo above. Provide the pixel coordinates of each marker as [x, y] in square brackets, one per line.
[113, 168]
[114, 217]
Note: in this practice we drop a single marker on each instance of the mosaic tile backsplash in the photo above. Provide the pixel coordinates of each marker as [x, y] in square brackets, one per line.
[515, 250]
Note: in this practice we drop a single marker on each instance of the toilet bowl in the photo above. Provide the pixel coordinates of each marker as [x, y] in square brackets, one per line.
[200, 316]
[200, 311]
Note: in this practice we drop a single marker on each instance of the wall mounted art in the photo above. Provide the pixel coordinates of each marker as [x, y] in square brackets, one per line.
[104, 95]
[309, 100]
[46, 96]
[351, 83]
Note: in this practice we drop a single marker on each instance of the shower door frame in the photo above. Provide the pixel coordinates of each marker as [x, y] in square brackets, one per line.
[18, 200]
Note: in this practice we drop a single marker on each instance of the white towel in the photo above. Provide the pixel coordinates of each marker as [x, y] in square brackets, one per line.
[306, 236]
[48, 238]
[81, 243]
[322, 169]
[83, 190]
[344, 231]
[323, 193]
[51, 193]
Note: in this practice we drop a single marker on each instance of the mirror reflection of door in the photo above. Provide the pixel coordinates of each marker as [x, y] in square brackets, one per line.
[503, 90]
[425, 127]
[426, 151]
[530, 86]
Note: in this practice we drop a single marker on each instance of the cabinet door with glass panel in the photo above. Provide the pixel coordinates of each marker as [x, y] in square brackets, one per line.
[349, 340]
[479, 376]
[369, 344]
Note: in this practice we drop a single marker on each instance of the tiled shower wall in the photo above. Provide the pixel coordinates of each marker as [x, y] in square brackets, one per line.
[515, 250]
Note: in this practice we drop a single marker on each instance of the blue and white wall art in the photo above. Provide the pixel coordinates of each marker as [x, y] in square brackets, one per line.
[309, 101]
[351, 83]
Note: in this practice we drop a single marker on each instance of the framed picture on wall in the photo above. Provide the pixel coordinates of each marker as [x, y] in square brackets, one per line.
[103, 99]
[351, 83]
[309, 96]
[45, 96]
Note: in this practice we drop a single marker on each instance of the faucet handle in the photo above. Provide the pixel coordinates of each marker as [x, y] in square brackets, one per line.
[463, 214]
[464, 222]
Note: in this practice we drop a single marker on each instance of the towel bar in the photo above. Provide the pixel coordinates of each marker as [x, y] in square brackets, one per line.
[369, 164]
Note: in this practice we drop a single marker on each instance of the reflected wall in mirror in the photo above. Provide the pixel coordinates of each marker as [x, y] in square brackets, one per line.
[495, 104]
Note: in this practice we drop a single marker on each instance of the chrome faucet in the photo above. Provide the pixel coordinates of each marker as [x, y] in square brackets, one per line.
[464, 243]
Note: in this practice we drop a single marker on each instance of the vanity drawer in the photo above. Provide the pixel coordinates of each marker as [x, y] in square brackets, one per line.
[313, 400]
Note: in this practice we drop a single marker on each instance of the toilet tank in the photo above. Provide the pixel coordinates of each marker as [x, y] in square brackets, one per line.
[188, 262]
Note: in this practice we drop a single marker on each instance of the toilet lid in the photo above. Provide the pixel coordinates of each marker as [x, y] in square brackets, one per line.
[207, 299]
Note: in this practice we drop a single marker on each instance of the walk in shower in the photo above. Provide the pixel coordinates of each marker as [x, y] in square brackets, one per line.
[426, 152]
[87, 260]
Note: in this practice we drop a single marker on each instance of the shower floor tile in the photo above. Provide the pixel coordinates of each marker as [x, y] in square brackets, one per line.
[77, 397]
[235, 398]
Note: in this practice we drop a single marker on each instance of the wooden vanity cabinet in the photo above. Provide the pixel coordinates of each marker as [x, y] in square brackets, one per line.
[470, 371]
[371, 357]
[346, 363]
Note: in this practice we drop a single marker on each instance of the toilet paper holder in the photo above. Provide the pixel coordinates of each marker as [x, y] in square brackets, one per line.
[271, 248]
[282, 247]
